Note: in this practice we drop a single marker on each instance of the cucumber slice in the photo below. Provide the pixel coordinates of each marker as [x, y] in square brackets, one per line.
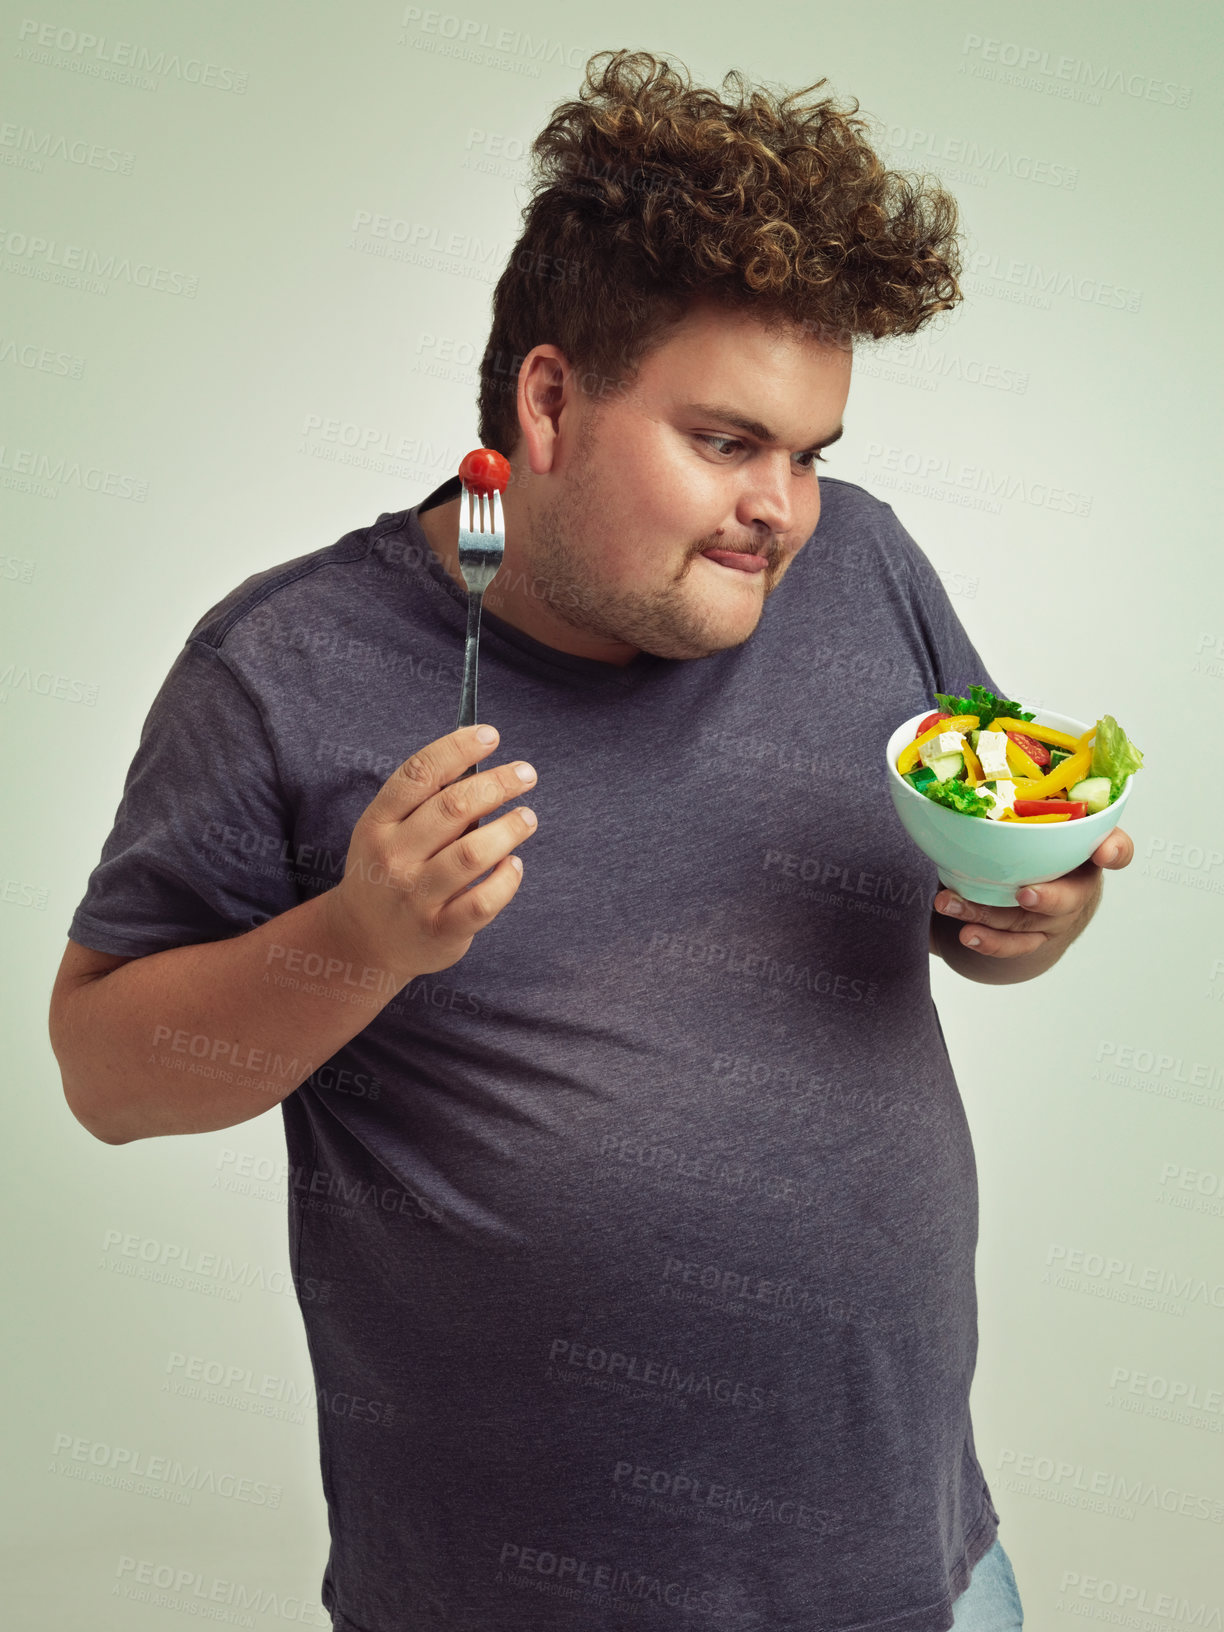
[1057, 755]
[973, 736]
[1095, 790]
[921, 777]
[946, 766]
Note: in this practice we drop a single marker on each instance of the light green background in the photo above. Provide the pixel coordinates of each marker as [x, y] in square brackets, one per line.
[221, 404]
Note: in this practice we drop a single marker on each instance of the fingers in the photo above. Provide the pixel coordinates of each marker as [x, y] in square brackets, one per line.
[454, 872]
[1116, 849]
[422, 774]
[955, 907]
[1042, 907]
[451, 816]
[474, 908]
[996, 943]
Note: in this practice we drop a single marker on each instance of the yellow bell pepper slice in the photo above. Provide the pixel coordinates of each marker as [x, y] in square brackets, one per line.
[1061, 816]
[1064, 775]
[908, 757]
[1039, 733]
[1022, 766]
[973, 767]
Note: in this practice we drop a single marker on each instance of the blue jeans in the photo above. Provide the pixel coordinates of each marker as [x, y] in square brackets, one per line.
[990, 1603]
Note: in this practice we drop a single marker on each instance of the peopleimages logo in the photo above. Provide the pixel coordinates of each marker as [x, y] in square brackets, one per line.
[939, 476]
[1171, 1390]
[1151, 1285]
[1125, 1597]
[1062, 74]
[670, 1379]
[735, 1291]
[676, 1490]
[684, 952]
[38, 40]
[129, 1465]
[1166, 1075]
[27, 148]
[469, 39]
[975, 155]
[32, 254]
[1040, 282]
[608, 1580]
[1133, 1491]
[190, 1591]
[171, 1262]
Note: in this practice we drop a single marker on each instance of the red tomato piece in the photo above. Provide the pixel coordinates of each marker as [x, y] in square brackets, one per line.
[930, 720]
[485, 470]
[1051, 807]
[1037, 751]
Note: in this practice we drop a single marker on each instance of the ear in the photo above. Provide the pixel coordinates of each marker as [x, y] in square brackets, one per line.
[545, 389]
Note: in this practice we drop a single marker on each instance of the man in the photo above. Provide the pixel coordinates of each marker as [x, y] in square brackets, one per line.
[640, 1217]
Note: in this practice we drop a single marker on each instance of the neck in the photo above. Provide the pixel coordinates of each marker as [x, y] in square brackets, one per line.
[508, 597]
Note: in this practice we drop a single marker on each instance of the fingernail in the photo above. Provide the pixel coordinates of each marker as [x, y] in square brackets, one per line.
[1027, 898]
[525, 772]
[1114, 851]
[974, 940]
[486, 733]
[954, 907]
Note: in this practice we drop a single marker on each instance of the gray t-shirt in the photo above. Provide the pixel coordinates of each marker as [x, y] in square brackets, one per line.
[636, 1250]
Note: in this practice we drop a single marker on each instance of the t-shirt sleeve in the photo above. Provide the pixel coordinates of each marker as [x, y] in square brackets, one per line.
[954, 657]
[197, 849]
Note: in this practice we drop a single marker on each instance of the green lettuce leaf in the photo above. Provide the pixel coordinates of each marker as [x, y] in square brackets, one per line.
[984, 704]
[1114, 755]
[957, 796]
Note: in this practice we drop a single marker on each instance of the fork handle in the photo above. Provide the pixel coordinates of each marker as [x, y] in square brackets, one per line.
[467, 700]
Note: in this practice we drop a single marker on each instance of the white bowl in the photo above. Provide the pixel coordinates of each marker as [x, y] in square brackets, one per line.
[986, 860]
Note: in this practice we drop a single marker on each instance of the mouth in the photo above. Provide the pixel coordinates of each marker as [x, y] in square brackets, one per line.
[737, 560]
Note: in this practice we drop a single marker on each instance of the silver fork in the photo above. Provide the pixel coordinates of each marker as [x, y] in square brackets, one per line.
[481, 546]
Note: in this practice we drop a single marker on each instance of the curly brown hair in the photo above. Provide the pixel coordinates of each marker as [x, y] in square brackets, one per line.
[650, 193]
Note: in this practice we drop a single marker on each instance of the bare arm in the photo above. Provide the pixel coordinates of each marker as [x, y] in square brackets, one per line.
[203, 1037]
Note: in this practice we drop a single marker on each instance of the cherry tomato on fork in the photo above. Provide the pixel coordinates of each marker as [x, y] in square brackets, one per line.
[485, 470]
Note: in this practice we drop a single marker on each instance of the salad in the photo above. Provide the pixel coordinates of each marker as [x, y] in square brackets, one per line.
[983, 756]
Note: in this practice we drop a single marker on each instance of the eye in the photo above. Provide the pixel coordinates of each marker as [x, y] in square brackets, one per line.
[807, 460]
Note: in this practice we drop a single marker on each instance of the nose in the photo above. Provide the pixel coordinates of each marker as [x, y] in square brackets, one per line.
[768, 502]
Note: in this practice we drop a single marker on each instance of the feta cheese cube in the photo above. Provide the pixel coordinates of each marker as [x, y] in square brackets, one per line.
[1002, 796]
[992, 752]
[947, 742]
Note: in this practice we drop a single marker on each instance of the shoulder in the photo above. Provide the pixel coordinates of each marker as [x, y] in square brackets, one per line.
[847, 508]
[291, 587]
[864, 533]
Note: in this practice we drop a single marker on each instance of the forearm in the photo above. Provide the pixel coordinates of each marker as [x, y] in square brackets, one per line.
[203, 1037]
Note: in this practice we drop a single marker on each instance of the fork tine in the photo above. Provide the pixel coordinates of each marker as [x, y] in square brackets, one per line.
[482, 543]
[484, 512]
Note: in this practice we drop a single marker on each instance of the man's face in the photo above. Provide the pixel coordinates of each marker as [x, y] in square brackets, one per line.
[642, 483]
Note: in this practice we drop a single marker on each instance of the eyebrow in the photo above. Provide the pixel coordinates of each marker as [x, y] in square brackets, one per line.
[710, 410]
